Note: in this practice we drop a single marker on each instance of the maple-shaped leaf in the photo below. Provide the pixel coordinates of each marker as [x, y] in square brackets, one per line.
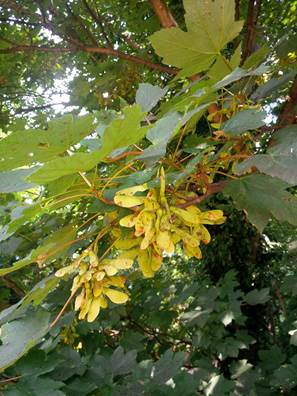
[210, 26]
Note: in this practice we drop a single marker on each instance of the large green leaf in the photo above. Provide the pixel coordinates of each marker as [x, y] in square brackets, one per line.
[210, 25]
[272, 86]
[213, 22]
[281, 158]
[26, 147]
[19, 336]
[263, 197]
[20, 216]
[148, 95]
[256, 297]
[13, 181]
[244, 121]
[52, 247]
[167, 366]
[29, 386]
[160, 134]
[121, 132]
[34, 297]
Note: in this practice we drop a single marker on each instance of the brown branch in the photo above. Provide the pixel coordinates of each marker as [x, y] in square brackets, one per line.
[82, 25]
[41, 107]
[123, 155]
[288, 114]
[94, 50]
[98, 20]
[57, 318]
[237, 10]
[13, 286]
[163, 13]
[254, 7]
[212, 189]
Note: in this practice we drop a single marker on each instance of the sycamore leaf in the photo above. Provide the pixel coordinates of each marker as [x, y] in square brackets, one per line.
[26, 147]
[148, 95]
[213, 22]
[160, 134]
[51, 248]
[238, 74]
[272, 86]
[281, 158]
[263, 197]
[244, 121]
[21, 335]
[20, 216]
[255, 297]
[210, 25]
[121, 132]
[181, 49]
[14, 181]
[17, 265]
[34, 296]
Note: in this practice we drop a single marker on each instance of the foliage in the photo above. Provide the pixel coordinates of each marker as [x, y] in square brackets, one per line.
[166, 215]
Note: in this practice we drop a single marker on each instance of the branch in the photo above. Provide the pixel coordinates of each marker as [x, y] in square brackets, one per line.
[41, 107]
[13, 286]
[96, 50]
[288, 114]
[212, 189]
[251, 24]
[97, 19]
[237, 10]
[163, 13]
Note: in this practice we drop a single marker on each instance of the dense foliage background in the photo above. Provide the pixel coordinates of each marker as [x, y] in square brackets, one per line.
[225, 324]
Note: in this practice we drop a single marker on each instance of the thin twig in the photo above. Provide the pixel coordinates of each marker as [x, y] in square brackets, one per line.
[55, 321]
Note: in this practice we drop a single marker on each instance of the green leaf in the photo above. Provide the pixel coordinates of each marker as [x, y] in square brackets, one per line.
[14, 181]
[219, 386]
[17, 266]
[210, 26]
[293, 337]
[34, 297]
[280, 159]
[213, 22]
[285, 376]
[122, 363]
[244, 121]
[263, 197]
[167, 367]
[272, 86]
[52, 247]
[54, 244]
[148, 95]
[121, 132]
[20, 216]
[272, 358]
[257, 57]
[238, 74]
[26, 147]
[21, 335]
[160, 134]
[36, 387]
[256, 297]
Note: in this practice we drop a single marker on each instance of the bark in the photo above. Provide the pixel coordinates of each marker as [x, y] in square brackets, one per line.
[237, 10]
[163, 13]
[288, 114]
[254, 7]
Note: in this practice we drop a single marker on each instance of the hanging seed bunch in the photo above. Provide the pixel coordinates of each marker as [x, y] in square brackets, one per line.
[159, 224]
[97, 283]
